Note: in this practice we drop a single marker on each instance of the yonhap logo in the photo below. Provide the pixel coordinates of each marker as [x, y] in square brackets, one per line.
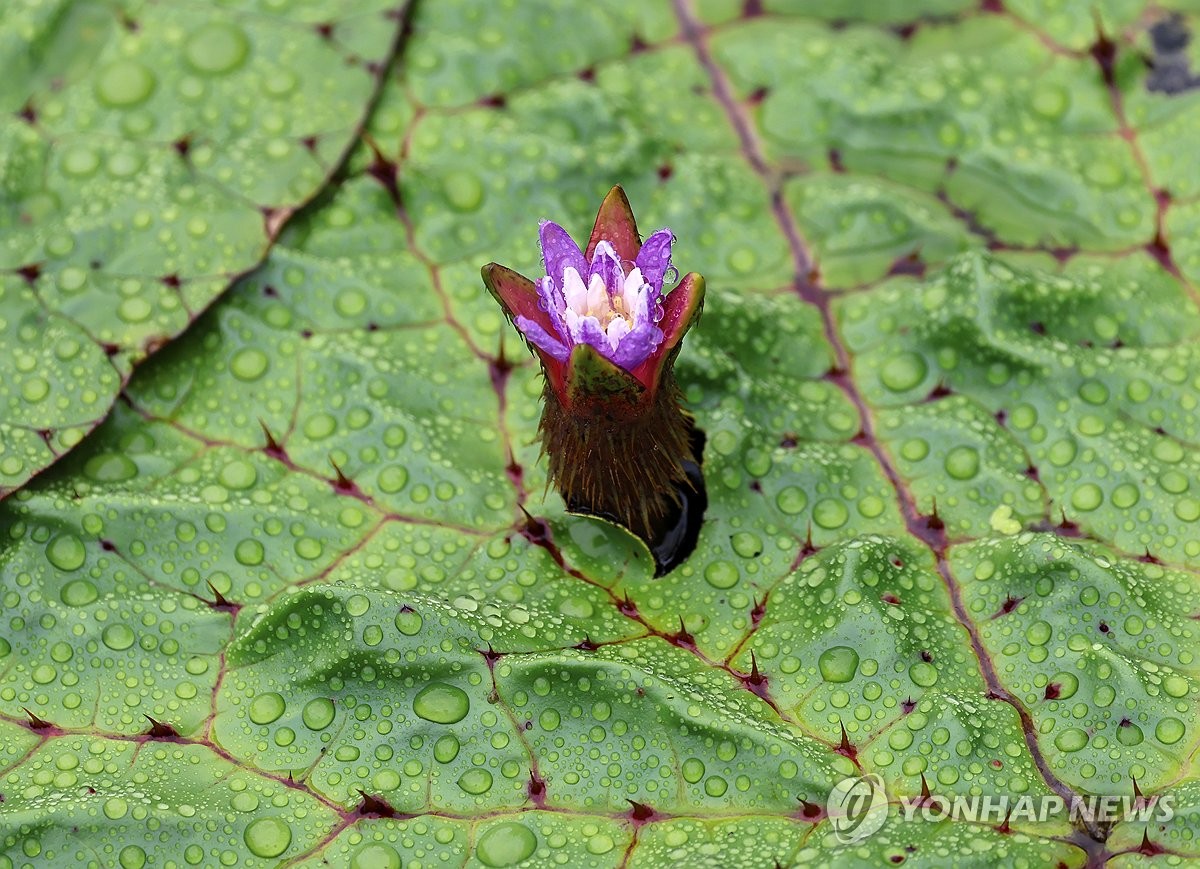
[857, 808]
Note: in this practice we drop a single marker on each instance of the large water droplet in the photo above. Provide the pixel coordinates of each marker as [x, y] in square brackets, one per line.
[375, 856]
[1169, 731]
[110, 468]
[506, 844]
[266, 708]
[721, 574]
[268, 837]
[838, 664]
[66, 552]
[80, 592]
[318, 713]
[475, 781]
[118, 637]
[791, 500]
[216, 48]
[124, 83]
[441, 703]
[903, 371]
[249, 364]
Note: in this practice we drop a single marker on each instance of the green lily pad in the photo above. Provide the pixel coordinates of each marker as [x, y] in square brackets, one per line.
[151, 156]
[304, 597]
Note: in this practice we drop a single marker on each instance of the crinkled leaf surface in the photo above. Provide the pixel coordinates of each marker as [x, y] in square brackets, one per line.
[304, 600]
[149, 154]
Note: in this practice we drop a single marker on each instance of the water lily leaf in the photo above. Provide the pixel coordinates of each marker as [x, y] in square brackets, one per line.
[304, 597]
[151, 154]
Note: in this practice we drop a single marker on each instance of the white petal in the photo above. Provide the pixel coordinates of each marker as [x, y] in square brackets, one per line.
[597, 296]
[574, 290]
[617, 330]
[637, 303]
[633, 280]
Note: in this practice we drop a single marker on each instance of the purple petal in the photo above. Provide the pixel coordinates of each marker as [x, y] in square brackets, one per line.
[654, 259]
[636, 346]
[543, 339]
[559, 250]
[591, 333]
[552, 302]
[607, 264]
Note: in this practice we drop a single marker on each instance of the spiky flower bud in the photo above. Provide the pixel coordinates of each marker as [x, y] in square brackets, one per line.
[617, 440]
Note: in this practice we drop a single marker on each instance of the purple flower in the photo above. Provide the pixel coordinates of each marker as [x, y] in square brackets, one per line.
[611, 305]
[599, 321]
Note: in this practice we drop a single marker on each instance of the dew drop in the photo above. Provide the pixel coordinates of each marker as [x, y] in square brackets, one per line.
[1067, 684]
[110, 468]
[267, 707]
[1130, 734]
[463, 191]
[1051, 101]
[118, 637]
[267, 837]
[903, 372]
[350, 302]
[124, 83]
[318, 713]
[375, 855]
[600, 844]
[441, 703]
[1071, 739]
[830, 513]
[249, 363]
[445, 749]
[721, 574]
[791, 500]
[408, 622]
[1175, 686]
[249, 552]
[746, 544]
[1087, 497]
[838, 664]
[80, 592]
[393, 478]
[506, 844]
[238, 474]
[1169, 731]
[217, 48]
[923, 674]
[475, 781]
[132, 857]
[962, 463]
[66, 552]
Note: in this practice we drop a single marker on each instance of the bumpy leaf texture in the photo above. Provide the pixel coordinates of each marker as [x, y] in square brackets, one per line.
[303, 598]
[150, 154]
